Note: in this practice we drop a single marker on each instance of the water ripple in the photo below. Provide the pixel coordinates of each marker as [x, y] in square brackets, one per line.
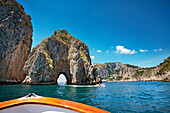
[115, 97]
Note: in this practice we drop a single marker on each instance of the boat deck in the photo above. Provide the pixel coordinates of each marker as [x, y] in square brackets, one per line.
[36, 108]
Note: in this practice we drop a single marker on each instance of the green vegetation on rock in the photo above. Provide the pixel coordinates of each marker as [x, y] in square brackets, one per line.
[46, 53]
[83, 56]
[128, 65]
[138, 73]
[114, 72]
[119, 77]
[165, 66]
[63, 37]
[127, 78]
[111, 78]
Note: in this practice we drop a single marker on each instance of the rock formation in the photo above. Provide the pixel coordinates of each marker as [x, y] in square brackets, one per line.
[125, 72]
[15, 40]
[60, 54]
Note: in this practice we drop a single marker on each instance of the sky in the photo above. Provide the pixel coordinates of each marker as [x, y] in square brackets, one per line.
[133, 32]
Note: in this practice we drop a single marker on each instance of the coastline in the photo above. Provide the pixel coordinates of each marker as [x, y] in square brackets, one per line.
[136, 80]
[17, 83]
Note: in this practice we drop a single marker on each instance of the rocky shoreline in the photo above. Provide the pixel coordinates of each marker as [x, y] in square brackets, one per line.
[138, 81]
[117, 71]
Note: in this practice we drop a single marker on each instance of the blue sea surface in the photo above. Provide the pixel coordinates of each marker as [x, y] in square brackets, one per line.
[145, 97]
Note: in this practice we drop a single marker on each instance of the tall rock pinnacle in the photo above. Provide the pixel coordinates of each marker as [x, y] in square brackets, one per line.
[15, 40]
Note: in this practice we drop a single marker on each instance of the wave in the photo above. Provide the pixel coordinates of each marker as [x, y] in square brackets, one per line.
[101, 85]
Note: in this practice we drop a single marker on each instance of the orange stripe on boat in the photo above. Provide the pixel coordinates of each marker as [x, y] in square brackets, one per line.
[53, 102]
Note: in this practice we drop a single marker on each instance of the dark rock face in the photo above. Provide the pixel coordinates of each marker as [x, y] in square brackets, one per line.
[60, 54]
[125, 72]
[15, 40]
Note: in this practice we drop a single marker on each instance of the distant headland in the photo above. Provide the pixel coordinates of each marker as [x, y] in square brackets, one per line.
[125, 72]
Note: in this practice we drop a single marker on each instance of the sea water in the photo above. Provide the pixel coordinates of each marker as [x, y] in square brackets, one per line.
[148, 96]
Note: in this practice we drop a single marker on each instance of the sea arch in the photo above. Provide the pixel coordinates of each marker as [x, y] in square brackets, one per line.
[68, 78]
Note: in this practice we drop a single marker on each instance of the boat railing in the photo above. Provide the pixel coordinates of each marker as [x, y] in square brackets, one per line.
[30, 95]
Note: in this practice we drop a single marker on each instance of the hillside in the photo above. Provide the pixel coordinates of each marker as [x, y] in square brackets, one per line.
[125, 72]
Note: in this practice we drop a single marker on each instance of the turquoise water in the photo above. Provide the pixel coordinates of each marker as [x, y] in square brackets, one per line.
[151, 96]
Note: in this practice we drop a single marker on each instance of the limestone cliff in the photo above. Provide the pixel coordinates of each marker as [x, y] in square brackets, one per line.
[125, 72]
[60, 54]
[15, 40]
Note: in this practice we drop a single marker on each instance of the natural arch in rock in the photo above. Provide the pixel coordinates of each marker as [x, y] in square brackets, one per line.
[60, 54]
[64, 76]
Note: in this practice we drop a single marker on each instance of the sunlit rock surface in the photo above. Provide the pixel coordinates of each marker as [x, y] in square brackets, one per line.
[60, 54]
[15, 40]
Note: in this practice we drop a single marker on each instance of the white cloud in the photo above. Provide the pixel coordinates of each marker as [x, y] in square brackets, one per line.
[122, 50]
[157, 49]
[99, 51]
[141, 50]
[112, 47]
[107, 52]
[92, 57]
